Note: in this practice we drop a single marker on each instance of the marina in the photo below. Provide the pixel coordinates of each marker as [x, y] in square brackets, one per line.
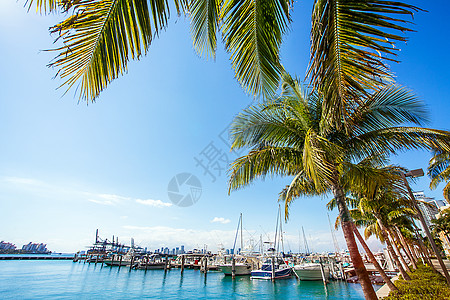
[67, 280]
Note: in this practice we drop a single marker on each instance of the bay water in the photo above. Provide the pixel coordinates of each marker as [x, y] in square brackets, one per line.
[41, 279]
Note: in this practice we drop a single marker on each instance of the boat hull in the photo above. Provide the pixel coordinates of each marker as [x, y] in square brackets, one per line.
[267, 274]
[117, 263]
[241, 270]
[311, 272]
[150, 266]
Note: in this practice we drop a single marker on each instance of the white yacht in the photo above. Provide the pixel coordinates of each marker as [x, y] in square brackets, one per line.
[311, 271]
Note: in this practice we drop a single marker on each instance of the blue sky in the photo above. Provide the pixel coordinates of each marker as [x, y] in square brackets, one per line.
[67, 168]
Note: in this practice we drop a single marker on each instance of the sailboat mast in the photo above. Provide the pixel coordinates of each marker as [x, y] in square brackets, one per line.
[237, 232]
[281, 232]
[336, 245]
[242, 241]
[275, 245]
[306, 243]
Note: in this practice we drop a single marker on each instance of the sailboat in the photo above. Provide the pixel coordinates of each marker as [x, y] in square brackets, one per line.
[241, 264]
[274, 266]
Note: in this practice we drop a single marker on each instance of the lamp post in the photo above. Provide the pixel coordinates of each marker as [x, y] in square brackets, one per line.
[419, 173]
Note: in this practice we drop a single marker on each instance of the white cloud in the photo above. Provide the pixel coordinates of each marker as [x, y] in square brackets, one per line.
[154, 203]
[107, 199]
[220, 220]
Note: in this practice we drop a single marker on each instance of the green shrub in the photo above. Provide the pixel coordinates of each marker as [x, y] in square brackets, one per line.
[425, 284]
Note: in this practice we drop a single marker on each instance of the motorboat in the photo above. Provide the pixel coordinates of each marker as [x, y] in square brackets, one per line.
[311, 271]
[272, 268]
[243, 266]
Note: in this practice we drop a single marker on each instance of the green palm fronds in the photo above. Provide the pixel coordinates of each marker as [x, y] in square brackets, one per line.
[285, 137]
[351, 41]
[253, 31]
[46, 6]
[205, 20]
[439, 171]
[101, 36]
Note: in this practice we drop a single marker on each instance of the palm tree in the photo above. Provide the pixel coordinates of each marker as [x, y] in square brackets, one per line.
[361, 221]
[291, 136]
[350, 40]
[378, 209]
[439, 171]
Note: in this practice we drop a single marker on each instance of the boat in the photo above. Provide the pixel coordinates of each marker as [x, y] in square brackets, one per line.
[311, 271]
[152, 262]
[243, 266]
[272, 268]
[120, 260]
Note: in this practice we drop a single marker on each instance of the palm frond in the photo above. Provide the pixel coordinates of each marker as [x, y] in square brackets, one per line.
[300, 186]
[253, 31]
[101, 36]
[205, 21]
[390, 106]
[318, 157]
[394, 139]
[46, 6]
[266, 124]
[350, 44]
[439, 170]
[262, 162]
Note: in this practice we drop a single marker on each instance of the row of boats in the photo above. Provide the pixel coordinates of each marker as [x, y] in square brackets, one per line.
[268, 266]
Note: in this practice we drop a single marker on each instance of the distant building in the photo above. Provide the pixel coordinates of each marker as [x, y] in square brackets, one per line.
[429, 211]
[35, 248]
[7, 246]
[182, 249]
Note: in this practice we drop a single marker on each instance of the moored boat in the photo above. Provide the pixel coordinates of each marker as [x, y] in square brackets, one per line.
[242, 267]
[278, 269]
[311, 271]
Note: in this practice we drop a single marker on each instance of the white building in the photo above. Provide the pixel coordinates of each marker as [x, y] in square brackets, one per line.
[429, 211]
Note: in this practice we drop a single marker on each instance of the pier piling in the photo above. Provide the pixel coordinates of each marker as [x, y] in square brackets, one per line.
[233, 267]
[182, 263]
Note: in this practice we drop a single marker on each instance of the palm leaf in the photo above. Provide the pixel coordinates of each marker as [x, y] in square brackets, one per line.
[394, 139]
[204, 25]
[387, 107]
[266, 124]
[101, 36]
[262, 162]
[350, 42]
[253, 31]
[46, 6]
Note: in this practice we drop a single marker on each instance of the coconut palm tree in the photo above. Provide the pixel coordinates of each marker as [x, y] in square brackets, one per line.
[291, 136]
[351, 40]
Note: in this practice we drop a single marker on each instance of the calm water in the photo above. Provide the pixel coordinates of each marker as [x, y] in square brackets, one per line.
[68, 280]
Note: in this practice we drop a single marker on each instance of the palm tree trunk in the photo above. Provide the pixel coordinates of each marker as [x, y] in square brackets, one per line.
[397, 250]
[347, 229]
[391, 251]
[398, 234]
[377, 266]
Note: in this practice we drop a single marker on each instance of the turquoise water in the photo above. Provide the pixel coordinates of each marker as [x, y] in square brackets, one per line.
[68, 280]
